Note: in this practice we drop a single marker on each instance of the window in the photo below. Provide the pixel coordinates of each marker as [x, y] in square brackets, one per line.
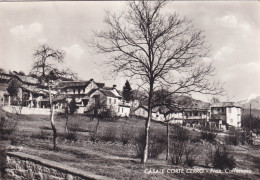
[73, 90]
[109, 100]
[122, 110]
[229, 110]
[114, 101]
[118, 109]
[79, 91]
[196, 114]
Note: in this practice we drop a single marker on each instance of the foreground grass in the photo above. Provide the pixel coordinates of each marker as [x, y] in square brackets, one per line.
[114, 159]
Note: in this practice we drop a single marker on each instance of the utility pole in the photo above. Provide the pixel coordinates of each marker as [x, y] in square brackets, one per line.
[168, 143]
[250, 118]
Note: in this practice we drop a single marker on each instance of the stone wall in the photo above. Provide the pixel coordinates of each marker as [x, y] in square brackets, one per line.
[27, 167]
[27, 110]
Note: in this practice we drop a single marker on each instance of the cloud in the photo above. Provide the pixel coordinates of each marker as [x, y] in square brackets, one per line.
[25, 32]
[231, 21]
[74, 51]
[42, 40]
[223, 53]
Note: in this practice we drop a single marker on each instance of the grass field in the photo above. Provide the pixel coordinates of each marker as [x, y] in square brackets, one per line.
[117, 159]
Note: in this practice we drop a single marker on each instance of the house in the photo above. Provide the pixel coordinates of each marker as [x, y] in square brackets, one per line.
[157, 113]
[225, 114]
[30, 91]
[4, 83]
[175, 116]
[109, 98]
[88, 94]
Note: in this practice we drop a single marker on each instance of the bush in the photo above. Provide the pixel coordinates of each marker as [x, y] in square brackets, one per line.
[8, 128]
[126, 136]
[222, 158]
[72, 106]
[231, 140]
[40, 135]
[2, 160]
[72, 133]
[157, 143]
[208, 135]
[238, 136]
[182, 150]
[109, 134]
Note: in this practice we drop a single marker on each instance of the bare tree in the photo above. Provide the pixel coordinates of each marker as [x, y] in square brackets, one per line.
[158, 49]
[44, 68]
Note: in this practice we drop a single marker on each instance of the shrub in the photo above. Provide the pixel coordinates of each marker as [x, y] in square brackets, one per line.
[157, 143]
[231, 140]
[72, 133]
[222, 158]
[72, 106]
[238, 136]
[126, 136]
[190, 161]
[2, 160]
[182, 150]
[109, 134]
[40, 135]
[8, 128]
[208, 135]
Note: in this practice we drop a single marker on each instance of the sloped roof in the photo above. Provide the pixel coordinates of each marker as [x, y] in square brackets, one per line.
[34, 89]
[108, 93]
[66, 84]
[3, 86]
[27, 79]
[100, 85]
[224, 104]
[197, 105]
[90, 92]
[156, 109]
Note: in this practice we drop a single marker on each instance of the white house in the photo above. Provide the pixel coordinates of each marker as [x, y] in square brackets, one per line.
[226, 114]
[157, 113]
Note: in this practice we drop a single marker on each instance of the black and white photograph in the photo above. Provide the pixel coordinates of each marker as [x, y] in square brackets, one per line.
[129, 90]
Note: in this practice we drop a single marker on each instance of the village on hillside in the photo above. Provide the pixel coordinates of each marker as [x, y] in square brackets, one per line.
[129, 90]
[35, 100]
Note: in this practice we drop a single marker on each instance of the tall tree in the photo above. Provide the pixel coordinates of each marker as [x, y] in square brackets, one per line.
[14, 90]
[44, 67]
[127, 91]
[158, 49]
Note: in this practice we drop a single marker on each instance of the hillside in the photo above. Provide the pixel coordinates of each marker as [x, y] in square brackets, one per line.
[255, 103]
[254, 112]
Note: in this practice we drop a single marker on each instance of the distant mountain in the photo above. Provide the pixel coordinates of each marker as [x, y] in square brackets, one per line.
[254, 101]
[254, 112]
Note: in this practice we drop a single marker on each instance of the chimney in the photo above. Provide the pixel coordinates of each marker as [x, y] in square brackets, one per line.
[114, 86]
[91, 79]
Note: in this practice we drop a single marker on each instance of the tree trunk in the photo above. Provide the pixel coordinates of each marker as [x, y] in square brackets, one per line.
[52, 121]
[66, 125]
[168, 142]
[147, 125]
[53, 128]
[96, 130]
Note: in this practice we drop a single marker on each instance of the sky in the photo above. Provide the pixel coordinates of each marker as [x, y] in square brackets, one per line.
[232, 29]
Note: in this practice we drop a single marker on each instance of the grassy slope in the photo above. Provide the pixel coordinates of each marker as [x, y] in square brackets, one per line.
[112, 159]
